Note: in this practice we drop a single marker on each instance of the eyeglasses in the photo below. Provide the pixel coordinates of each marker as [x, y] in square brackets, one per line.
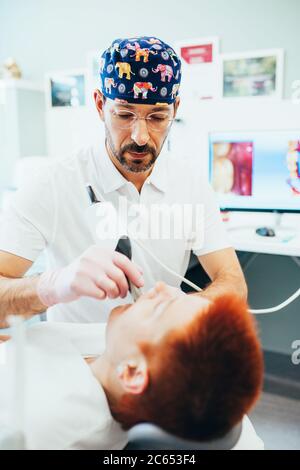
[158, 121]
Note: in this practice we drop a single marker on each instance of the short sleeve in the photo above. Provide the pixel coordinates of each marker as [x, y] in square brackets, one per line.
[27, 224]
[212, 236]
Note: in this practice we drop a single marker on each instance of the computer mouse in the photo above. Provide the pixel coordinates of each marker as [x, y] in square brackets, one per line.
[265, 232]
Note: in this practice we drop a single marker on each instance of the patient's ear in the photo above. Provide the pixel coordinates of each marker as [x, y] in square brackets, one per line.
[133, 375]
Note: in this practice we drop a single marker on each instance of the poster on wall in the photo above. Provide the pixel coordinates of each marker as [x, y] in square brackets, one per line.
[199, 67]
[252, 74]
[66, 88]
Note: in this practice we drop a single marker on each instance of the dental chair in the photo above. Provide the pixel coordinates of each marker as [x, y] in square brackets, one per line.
[149, 437]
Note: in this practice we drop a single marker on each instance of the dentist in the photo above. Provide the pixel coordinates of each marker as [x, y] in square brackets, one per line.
[137, 104]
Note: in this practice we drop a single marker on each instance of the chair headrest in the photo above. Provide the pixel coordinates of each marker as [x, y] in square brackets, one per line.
[149, 437]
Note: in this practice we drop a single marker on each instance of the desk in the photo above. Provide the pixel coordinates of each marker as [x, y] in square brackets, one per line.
[241, 228]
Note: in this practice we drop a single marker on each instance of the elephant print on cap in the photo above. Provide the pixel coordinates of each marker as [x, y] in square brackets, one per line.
[124, 68]
[114, 47]
[175, 89]
[140, 52]
[108, 83]
[140, 69]
[172, 55]
[166, 71]
[101, 65]
[153, 41]
[142, 87]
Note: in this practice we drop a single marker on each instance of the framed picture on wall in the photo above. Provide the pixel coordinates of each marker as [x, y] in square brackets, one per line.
[199, 67]
[252, 74]
[66, 88]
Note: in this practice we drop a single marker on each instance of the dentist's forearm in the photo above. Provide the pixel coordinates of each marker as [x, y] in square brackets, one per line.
[224, 285]
[19, 297]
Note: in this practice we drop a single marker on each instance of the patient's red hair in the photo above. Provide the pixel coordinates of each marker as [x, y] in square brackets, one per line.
[203, 378]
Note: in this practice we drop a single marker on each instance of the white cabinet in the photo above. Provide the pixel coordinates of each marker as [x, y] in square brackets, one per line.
[71, 128]
[22, 125]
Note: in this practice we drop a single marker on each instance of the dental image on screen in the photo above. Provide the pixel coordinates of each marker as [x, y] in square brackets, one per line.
[293, 164]
[232, 167]
[257, 170]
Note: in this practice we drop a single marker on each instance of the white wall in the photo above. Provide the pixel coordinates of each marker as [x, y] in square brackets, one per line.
[56, 34]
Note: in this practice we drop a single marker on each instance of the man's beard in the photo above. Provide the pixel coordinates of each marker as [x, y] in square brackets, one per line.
[135, 166]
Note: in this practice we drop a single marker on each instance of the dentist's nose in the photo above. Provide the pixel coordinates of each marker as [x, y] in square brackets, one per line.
[140, 133]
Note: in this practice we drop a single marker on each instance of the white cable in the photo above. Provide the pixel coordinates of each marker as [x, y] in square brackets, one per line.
[194, 286]
[277, 307]
[183, 279]
[250, 261]
[296, 260]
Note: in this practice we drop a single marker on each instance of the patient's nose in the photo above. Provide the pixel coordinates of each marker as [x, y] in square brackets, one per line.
[161, 289]
[167, 291]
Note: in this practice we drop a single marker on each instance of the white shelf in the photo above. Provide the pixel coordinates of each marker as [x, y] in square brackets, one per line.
[22, 125]
[21, 84]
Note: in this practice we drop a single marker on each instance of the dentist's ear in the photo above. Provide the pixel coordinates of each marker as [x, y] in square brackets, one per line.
[176, 105]
[133, 375]
[99, 99]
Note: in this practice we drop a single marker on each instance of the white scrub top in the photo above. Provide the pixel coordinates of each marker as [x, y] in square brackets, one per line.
[51, 213]
[65, 406]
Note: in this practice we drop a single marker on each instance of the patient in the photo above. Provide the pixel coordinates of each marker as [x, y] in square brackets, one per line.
[191, 366]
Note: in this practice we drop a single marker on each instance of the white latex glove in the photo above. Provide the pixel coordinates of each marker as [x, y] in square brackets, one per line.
[98, 273]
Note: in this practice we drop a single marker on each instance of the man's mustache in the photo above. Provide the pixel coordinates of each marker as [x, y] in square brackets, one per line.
[138, 149]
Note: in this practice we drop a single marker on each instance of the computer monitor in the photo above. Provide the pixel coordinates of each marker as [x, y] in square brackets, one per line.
[256, 170]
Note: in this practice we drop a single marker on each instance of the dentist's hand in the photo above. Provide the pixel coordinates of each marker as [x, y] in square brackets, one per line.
[97, 273]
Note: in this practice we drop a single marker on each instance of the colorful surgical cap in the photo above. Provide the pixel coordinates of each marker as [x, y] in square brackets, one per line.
[141, 70]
